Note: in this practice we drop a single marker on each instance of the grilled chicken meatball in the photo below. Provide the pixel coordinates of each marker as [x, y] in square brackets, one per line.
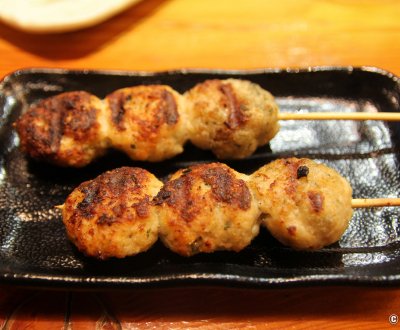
[147, 122]
[305, 205]
[150, 123]
[231, 117]
[112, 215]
[206, 208]
[68, 129]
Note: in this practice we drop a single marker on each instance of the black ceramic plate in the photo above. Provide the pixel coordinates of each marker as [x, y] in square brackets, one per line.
[34, 249]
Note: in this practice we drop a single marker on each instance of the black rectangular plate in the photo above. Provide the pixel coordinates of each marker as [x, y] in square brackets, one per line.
[34, 250]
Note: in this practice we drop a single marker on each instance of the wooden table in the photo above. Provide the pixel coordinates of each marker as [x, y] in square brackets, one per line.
[242, 34]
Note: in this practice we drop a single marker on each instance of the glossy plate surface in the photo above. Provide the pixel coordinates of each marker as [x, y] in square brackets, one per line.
[34, 250]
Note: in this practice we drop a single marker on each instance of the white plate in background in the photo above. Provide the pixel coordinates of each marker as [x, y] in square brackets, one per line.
[44, 16]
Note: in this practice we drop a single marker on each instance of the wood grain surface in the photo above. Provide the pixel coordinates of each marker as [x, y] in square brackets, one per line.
[242, 34]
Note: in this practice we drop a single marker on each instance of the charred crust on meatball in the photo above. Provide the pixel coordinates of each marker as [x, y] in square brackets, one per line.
[293, 165]
[159, 99]
[177, 194]
[108, 192]
[162, 196]
[42, 127]
[316, 201]
[302, 171]
[169, 108]
[117, 103]
[236, 117]
[80, 118]
[228, 100]
[226, 188]
[142, 207]
[36, 140]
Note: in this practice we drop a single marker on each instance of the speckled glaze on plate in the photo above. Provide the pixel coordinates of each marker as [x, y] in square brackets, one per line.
[34, 250]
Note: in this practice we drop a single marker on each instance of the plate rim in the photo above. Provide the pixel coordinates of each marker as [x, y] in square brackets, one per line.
[147, 73]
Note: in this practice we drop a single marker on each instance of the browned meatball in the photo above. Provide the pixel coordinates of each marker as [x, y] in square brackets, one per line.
[150, 123]
[305, 205]
[112, 215]
[231, 117]
[206, 208]
[67, 129]
[147, 122]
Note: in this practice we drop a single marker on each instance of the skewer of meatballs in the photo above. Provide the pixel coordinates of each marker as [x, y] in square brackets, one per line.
[208, 207]
[230, 117]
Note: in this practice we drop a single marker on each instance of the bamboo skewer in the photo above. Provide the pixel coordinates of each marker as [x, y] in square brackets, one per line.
[384, 116]
[374, 202]
[355, 202]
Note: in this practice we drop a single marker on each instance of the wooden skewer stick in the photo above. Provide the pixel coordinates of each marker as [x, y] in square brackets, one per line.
[374, 202]
[355, 202]
[385, 116]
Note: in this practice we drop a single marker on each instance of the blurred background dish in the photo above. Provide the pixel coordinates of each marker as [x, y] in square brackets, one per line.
[42, 16]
